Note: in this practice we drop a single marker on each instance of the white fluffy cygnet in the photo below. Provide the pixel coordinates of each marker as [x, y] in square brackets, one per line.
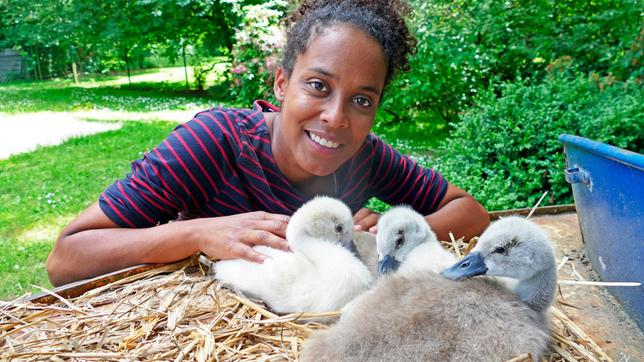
[432, 317]
[320, 274]
[406, 242]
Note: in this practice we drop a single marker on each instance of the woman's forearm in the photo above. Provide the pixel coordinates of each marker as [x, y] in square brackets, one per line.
[463, 217]
[92, 244]
[93, 252]
[460, 214]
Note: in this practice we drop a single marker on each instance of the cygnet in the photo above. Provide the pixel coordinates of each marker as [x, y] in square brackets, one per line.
[406, 242]
[320, 274]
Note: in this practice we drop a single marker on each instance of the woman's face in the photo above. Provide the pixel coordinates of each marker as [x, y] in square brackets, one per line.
[329, 102]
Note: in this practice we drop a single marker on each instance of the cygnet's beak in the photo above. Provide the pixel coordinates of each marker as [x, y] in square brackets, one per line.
[472, 264]
[387, 265]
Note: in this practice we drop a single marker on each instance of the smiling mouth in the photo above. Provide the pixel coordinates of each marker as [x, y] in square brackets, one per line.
[322, 141]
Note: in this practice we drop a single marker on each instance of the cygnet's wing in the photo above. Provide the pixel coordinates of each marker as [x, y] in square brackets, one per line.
[265, 280]
[335, 277]
[321, 277]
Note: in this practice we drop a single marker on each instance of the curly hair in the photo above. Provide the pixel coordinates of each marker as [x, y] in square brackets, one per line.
[384, 20]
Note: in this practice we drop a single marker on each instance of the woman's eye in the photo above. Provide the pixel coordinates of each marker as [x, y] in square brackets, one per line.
[318, 86]
[362, 101]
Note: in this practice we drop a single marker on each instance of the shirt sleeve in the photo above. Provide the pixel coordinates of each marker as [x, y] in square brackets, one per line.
[397, 179]
[185, 170]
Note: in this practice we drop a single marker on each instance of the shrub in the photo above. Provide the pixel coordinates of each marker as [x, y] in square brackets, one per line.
[506, 151]
[467, 45]
[255, 53]
[445, 73]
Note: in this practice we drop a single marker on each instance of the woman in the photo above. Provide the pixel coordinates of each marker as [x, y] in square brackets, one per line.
[230, 177]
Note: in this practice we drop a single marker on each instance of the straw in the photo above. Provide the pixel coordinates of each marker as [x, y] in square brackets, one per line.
[178, 312]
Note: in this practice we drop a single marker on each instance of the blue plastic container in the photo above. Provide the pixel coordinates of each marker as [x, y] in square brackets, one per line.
[608, 187]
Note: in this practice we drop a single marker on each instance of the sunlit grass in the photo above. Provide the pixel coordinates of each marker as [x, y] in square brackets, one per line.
[72, 98]
[162, 90]
[42, 191]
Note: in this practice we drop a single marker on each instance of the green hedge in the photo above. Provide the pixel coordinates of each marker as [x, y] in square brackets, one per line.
[464, 46]
[506, 152]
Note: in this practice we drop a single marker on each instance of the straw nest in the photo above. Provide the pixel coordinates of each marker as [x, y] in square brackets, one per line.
[178, 312]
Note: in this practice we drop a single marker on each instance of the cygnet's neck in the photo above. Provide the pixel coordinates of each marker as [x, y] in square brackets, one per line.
[427, 256]
[538, 291]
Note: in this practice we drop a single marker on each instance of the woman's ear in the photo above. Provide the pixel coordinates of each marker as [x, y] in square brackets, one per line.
[280, 84]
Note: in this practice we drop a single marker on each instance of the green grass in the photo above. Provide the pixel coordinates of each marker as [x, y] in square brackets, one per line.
[65, 98]
[150, 91]
[41, 191]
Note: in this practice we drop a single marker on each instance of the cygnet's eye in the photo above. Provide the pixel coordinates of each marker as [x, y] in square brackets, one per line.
[400, 240]
[499, 250]
[339, 228]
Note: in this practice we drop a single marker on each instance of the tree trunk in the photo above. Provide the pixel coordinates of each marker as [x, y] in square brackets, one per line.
[75, 71]
[127, 65]
[185, 66]
[38, 70]
[72, 59]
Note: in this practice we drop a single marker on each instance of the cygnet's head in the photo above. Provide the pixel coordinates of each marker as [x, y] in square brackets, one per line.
[511, 247]
[400, 230]
[323, 218]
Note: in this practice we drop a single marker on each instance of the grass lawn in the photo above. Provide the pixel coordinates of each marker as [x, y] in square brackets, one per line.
[106, 93]
[41, 191]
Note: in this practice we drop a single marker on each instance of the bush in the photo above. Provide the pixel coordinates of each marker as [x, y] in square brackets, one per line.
[445, 73]
[506, 151]
[255, 53]
[464, 46]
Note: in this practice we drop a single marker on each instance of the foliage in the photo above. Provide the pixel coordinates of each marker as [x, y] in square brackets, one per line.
[467, 45]
[255, 55]
[447, 70]
[119, 34]
[506, 151]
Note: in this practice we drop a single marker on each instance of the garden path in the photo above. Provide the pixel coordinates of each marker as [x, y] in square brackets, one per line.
[25, 132]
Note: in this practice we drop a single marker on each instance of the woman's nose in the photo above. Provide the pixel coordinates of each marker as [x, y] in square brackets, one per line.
[335, 114]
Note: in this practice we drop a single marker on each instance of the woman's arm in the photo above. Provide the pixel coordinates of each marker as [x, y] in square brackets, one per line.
[460, 214]
[92, 244]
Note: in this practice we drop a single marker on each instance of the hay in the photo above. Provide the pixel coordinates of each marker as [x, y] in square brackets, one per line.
[183, 315]
[178, 312]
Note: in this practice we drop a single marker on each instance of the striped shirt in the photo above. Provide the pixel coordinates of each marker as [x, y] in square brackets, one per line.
[221, 163]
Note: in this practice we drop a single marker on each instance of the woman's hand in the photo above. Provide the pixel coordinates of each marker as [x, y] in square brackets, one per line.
[366, 220]
[231, 237]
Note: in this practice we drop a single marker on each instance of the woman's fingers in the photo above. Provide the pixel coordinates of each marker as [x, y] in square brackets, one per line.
[365, 219]
[232, 237]
[243, 251]
[361, 214]
[263, 237]
[276, 227]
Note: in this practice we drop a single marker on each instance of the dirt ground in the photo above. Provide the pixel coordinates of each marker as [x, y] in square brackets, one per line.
[600, 315]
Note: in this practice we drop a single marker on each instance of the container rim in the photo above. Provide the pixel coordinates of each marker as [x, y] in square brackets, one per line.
[621, 155]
